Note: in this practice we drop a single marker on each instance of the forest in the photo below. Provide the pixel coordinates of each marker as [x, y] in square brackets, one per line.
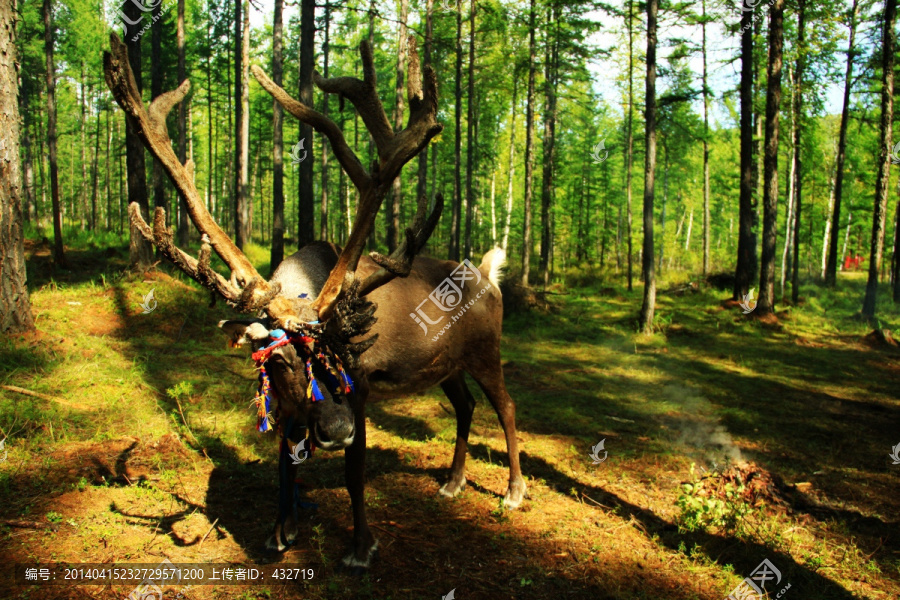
[698, 204]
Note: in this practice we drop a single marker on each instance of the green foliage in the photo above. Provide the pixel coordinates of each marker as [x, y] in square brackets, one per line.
[701, 511]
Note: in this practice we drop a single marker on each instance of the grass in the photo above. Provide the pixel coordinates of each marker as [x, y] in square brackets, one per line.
[149, 450]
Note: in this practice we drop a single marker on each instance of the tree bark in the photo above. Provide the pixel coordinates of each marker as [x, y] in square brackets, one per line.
[766, 302]
[241, 122]
[889, 42]
[59, 256]
[826, 238]
[549, 148]
[629, 133]
[95, 173]
[15, 307]
[746, 253]
[831, 269]
[705, 154]
[529, 149]
[456, 217]
[648, 265]
[393, 215]
[323, 208]
[183, 225]
[798, 154]
[277, 252]
[156, 89]
[512, 156]
[422, 184]
[471, 143]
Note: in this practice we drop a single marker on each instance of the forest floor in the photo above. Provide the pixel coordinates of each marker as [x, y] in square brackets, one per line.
[146, 450]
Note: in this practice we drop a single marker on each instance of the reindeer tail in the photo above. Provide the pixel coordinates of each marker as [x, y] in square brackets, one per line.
[492, 265]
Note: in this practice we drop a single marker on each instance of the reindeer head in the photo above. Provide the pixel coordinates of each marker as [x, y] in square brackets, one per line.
[339, 312]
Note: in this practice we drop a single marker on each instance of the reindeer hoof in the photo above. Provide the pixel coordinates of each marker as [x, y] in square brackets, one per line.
[359, 566]
[452, 488]
[514, 495]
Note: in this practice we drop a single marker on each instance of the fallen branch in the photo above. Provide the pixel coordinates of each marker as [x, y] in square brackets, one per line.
[213, 526]
[24, 392]
[28, 524]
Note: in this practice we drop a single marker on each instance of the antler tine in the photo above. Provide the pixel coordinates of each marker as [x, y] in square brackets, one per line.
[400, 262]
[198, 270]
[364, 96]
[345, 155]
[150, 127]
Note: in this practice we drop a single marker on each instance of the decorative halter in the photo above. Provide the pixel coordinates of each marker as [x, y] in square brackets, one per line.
[309, 348]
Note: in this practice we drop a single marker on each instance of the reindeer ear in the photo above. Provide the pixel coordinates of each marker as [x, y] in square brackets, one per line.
[245, 331]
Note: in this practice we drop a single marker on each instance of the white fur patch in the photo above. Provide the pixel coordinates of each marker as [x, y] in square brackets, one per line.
[351, 561]
[495, 260]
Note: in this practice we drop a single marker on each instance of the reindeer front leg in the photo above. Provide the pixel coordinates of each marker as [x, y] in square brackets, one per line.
[364, 544]
[285, 533]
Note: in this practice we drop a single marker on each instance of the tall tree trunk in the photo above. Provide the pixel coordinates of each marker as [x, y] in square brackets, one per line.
[277, 253]
[629, 132]
[889, 42]
[798, 154]
[323, 210]
[790, 187]
[705, 154]
[662, 224]
[183, 225]
[30, 212]
[422, 184]
[512, 157]
[529, 149]
[493, 209]
[550, 71]
[471, 134]
[82, 187]
[746, 253]
[831, 269]
[242, 201]
[393, 215]
[649, 272]
[95, 175]
[156, 89]
[59, 256]
[826, 238]
[687, 237]
[766, 302]
[895, 260]
[15, 307]
[456, 217]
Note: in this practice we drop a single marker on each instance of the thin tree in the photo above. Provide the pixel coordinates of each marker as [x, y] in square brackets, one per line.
[422, 184]
[798, 136]
[277, 252]
[888, 43]
[512, 165]
[705, 152]
[471, 142]
[59, 256]
[183, 225]
[323, 209]
[156, 89]
[629, 133]
[393, 215]
[15, 307]
[746, 254]
[453, 253]
[529, 148]
[648, 266]
[766, 303]
[831, 268]
[241, 122]
[552, 56]
[305, 204]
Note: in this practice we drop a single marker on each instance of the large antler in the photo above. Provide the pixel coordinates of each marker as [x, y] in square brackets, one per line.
[394, 151]
[247, 290]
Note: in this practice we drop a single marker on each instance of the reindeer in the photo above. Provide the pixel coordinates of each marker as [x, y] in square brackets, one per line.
[320, 304]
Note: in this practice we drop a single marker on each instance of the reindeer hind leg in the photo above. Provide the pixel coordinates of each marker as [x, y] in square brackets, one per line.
[464, 404]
